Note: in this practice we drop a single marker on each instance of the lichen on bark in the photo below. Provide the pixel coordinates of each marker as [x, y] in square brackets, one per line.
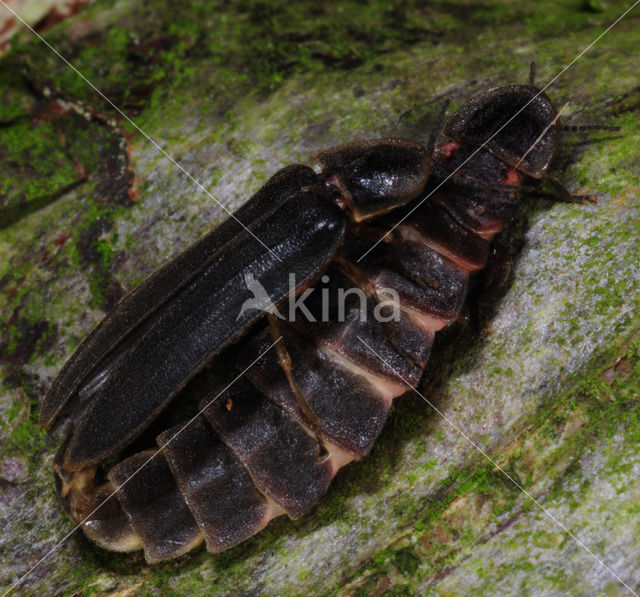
[235, 91]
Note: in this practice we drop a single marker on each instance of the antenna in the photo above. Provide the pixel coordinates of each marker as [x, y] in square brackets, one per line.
[589, 127]
[532, 73]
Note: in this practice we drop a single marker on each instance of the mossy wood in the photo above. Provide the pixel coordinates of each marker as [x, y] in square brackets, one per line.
[89, 208]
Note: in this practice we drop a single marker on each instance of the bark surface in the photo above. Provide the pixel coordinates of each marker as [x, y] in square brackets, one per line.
[233, 91]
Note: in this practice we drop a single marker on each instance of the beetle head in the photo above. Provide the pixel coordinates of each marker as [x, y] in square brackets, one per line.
[529, 136]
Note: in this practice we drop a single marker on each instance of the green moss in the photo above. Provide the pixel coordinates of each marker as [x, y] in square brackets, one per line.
[600, 406]
[39, 165]
[27, 439]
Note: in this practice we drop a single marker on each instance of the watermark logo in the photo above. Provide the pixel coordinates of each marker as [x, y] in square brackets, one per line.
[260, 301]
[334, 304]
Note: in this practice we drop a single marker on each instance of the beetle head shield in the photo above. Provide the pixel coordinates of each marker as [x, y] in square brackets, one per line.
[514, 122]
[375, 176]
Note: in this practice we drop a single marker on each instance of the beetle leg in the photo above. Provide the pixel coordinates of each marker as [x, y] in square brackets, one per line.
[476, 183]
[408, 337]
[437, 128]
[561, 193]
[491, 284]
[284, 358]
[346, 386]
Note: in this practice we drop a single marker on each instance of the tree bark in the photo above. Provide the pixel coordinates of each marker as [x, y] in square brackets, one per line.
[525, 480]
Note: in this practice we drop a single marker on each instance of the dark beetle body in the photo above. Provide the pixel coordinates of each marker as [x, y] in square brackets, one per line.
[272, 441]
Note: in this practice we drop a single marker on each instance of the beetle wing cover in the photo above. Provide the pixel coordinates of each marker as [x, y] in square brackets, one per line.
[197, 324]
[206, 315]
[109, 337]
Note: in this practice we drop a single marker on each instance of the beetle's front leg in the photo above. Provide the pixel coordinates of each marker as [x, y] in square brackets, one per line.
[492, 283]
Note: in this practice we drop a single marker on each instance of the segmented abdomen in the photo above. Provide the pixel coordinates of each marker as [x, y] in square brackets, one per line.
[253, 453]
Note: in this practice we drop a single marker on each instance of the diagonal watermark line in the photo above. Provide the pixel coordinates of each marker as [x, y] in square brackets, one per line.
[580, 55]
[145, 135]
[505, 473]
[162, 447]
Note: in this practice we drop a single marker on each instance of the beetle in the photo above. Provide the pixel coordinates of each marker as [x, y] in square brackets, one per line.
[311, 394]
